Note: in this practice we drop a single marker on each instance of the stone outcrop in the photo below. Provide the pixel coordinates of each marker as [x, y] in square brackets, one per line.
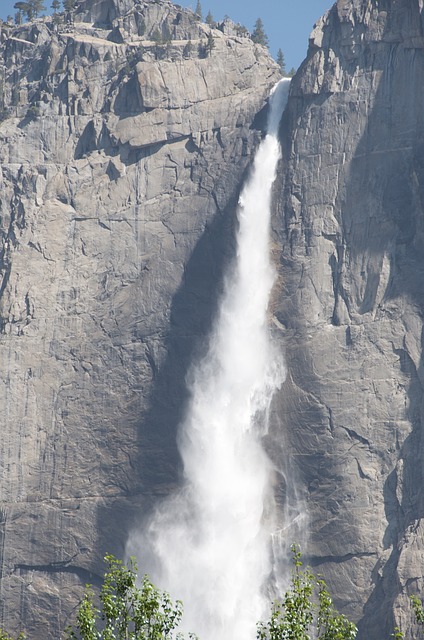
[349, 311]
[120, 164]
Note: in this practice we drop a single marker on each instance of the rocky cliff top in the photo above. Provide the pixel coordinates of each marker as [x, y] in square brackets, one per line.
[38, 56]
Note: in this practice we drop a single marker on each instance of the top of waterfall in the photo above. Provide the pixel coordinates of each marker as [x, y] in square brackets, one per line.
[277, 102]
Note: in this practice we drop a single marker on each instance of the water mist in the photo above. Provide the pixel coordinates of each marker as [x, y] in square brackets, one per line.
[212, 539]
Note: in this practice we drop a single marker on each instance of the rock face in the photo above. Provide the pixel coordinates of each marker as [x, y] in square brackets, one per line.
[121, 161]
[349, 310]
[120, 164]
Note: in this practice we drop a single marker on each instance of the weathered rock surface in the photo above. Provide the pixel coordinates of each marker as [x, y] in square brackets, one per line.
[120, 164]
[350, 307]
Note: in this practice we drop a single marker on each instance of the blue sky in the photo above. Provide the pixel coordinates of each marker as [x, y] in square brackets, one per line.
[287, 23]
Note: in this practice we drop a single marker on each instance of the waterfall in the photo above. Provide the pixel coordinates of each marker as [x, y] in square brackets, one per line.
[212, 539]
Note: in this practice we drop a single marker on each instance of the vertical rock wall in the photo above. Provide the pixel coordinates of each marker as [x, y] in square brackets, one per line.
[351, 303]
[120, 165]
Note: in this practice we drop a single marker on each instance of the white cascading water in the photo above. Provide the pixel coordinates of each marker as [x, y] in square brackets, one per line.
[212, 539]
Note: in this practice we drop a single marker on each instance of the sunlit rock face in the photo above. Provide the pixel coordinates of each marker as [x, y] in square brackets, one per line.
[120, 165]
[349, 310]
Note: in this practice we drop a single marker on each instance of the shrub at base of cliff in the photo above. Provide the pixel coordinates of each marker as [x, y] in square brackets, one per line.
[146, 613]
[126, 611]
[6, 636]
[306, 609]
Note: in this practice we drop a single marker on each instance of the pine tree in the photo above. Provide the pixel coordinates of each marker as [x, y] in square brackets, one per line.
[210, 44]
[241, 30]
[69, 5]
[25, 8]
[281, 62]
[188, 49]
[209, 20]
[198, 11]
[258, 35]
[37, 6]
[157, 36]
[201, 49]
[55, 5]
[31, 8]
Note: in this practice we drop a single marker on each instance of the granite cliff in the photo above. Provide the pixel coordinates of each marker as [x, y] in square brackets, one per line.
[120, 164]
[349, 226]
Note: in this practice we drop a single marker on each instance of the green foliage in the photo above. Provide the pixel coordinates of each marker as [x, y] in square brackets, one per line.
[127, 612]
[331, 624]
[69, 5]
[210, 44]
[241, 30]
[419, 617]
[418, 610]
[258, 34]
[306, 609]
[209, 19]
[201, 49]
[188, 48]
[55, 5]
[281, 62]
[38, 6]
[6, 636]
[157, 37]
[24, 8]
[33, 112]
[30, 9]
[292, 72]
[198, 11]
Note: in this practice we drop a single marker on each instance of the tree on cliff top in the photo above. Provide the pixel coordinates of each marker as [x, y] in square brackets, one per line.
[281, 62]
[210, 45]
[22, 9]
[38, 6]
[209, 19]
[31, 8]
[258, 34]
[69, 5]
[198, 11]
